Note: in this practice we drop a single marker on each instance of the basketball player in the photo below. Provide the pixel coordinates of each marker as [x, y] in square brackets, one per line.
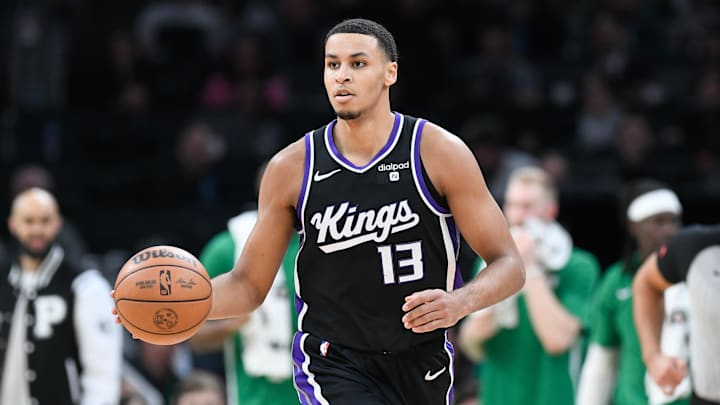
[613, 370]
[378, 198]
[532, 343]
[691, 256]
[59, 342]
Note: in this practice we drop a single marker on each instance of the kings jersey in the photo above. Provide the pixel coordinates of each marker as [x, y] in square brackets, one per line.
[371, 235]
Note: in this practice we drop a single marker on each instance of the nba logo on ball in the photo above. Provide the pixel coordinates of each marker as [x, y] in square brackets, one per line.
[165, 286]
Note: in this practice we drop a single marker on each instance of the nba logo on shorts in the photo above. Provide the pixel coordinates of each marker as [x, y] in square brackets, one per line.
[324, 346]
[394, 176]
[165, 286]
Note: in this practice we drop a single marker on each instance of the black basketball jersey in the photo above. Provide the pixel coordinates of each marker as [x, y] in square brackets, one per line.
[371, 236]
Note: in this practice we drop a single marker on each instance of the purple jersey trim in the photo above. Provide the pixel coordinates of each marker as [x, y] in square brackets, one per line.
[419, 174]
[338, 156]
[306, 179]
[455, 237]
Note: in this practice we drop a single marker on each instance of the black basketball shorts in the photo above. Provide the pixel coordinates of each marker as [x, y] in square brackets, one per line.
[328, 374]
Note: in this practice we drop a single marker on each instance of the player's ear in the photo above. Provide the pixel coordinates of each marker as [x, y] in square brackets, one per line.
[391, 71]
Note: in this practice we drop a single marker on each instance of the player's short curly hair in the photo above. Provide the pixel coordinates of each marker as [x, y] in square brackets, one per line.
[367, 27]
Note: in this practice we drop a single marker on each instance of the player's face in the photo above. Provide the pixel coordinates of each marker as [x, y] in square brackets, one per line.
[653, 231]
[357, 74]
[525, 201]
[35, 223]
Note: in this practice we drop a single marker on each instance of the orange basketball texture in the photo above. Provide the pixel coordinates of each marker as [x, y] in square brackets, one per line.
[163, 295]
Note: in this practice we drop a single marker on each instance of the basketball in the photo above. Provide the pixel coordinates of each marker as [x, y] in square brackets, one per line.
[163, 295]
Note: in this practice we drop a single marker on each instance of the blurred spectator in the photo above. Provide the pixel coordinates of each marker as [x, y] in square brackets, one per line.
[199, 20]
[179, 39]
[199, 388]
[128, 92]
[634, 144]
[495, 76]
[31, 175]
[153, 371]
[60, 341]
[37, 58]
[487, 139]
[246, 70]
[614, 369]
[598, 121]
[529, 344]
[189, 177]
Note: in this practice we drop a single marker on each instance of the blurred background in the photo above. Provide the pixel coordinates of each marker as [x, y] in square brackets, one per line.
[150, 118]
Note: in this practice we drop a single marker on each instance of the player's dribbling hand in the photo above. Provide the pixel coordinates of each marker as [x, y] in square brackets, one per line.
[667, 371]
[114, 311]
[428, 310]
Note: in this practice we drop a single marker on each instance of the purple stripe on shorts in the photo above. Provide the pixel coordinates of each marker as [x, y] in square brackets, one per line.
[419, 173]
[450, 348]
[304, 388]
[299, 305]
[333, 149]
[302, 385]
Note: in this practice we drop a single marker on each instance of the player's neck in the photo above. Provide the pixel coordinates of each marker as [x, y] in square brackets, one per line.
[360, 139]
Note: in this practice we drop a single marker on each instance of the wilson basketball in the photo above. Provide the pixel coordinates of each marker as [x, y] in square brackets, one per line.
[163, 295]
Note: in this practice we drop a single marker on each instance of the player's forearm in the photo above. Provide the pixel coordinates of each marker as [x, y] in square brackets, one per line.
[213, 335]
[233, 296]
[648, 315]
[554, 326]
[500, 279]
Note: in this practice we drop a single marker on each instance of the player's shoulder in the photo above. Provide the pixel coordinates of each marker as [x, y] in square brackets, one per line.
[438, 136]
[442, 148]
[289, 157]
[284, 171]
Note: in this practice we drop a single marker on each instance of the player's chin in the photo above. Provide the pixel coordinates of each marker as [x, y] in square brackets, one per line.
[344, 114]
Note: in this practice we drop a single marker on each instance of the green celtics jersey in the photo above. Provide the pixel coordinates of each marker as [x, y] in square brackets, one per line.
[516, 369]
[219, 257]
[612, 326]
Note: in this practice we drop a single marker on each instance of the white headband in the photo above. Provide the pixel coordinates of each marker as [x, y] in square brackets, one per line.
[653, 203]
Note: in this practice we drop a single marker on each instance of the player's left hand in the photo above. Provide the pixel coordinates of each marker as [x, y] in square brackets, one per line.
[428, 310]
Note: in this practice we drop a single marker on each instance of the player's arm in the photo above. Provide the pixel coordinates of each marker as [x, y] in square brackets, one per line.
[649, 286]
[218, 257]
[455, 173]
[240, 291]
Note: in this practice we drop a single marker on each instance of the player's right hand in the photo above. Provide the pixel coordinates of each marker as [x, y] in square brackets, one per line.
[667, 371]
[114, 311]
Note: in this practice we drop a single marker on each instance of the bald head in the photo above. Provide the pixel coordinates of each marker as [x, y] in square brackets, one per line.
[34, 221]
[35, 199]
